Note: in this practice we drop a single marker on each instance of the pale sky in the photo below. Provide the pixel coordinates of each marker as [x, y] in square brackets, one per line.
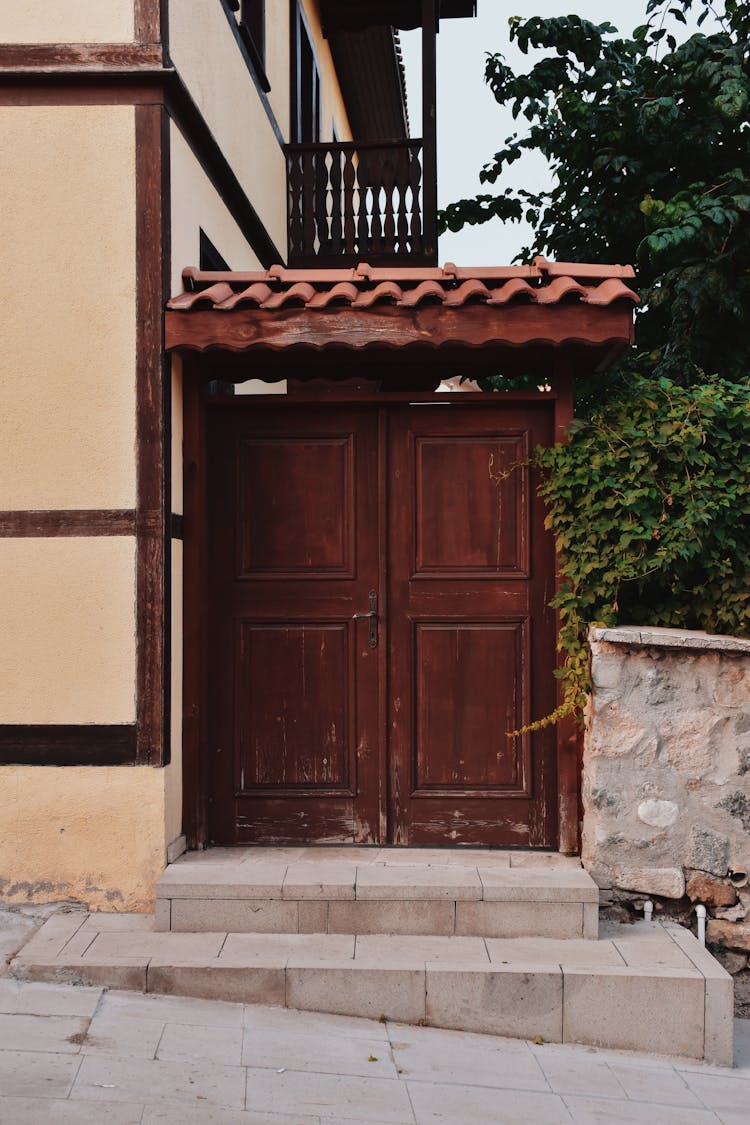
[471, 125]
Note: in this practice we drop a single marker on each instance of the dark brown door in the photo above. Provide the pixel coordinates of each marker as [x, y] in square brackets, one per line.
[294, 704]
[325, 725]
[471, 638]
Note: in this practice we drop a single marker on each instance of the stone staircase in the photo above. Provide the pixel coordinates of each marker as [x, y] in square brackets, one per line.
[505, 943]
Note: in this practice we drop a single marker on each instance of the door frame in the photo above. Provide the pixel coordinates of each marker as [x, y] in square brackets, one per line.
[197, 372]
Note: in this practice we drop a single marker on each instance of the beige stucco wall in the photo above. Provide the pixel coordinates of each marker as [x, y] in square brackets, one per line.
[196, 204]
[67, 622]
[67, 331]
[277, 62]
[66, 21]
[91, 834]
[208, 59]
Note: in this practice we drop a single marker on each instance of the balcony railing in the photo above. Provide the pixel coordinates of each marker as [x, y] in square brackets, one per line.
[350, 203]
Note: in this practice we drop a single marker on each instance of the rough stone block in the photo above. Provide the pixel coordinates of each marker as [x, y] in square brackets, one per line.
[731, 935]
[658, 814]
[669, 882]
[708, 851]
[709, 890]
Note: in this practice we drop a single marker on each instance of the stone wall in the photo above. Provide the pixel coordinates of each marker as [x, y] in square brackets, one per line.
[666, 778]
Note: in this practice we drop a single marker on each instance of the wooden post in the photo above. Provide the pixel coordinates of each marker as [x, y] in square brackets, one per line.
[429, 127]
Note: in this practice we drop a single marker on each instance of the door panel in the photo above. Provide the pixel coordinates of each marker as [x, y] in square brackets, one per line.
[471, 638]
[294, 686]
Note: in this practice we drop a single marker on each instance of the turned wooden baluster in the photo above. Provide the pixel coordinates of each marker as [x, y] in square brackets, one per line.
[400, 203]
[389, 181]
[350, 230]
[308, 202]
[295, 172]
[321, 201]
[415, 182]
[337, 200]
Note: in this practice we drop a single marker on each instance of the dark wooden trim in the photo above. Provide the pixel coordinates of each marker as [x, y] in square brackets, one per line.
[426, 329]
[81, 88]
[84, 745]
[567, 731]
[148, 21]
[28, 56]
[82, 522]
[194, 734]
[152, 716]
[429, 128]
[176, 527]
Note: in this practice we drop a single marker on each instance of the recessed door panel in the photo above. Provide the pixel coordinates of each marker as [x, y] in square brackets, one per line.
[470, 688]
[293, 692]
[470, 505]
[285, 527]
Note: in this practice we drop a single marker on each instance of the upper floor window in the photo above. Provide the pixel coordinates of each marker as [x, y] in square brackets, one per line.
[305, 83]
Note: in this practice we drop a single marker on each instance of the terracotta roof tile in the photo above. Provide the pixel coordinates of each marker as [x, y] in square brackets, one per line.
[367, 287]
[470, 290]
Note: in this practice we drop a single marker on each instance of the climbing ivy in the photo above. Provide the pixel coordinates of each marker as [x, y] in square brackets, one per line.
[650, 507]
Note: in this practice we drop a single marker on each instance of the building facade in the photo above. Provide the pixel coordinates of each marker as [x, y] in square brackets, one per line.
[266, 146]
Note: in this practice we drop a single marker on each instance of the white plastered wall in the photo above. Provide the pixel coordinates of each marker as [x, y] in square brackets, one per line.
[66, 21]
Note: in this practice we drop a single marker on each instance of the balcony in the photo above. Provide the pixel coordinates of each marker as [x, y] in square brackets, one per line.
[349, 203]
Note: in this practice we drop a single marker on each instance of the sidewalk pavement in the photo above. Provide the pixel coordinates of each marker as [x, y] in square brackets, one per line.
[75, 1055]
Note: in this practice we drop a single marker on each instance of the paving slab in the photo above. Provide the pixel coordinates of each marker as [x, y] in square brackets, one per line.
[435, 1103]
[55, 1111]
[324, 1095]
[537, 884]
[400, 881]
[319, 1052]
[102, 1078]
[279, 947]
[418, 950]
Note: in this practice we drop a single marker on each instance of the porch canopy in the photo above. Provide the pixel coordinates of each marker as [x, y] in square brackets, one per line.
[406, 328]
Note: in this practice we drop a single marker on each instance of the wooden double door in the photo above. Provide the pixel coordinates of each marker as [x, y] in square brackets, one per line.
[378, 580]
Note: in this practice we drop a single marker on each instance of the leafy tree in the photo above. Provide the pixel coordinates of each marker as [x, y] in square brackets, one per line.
[648, 141]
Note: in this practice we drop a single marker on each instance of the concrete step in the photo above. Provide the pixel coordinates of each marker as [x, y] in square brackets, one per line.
[378, 891]
[646, 987]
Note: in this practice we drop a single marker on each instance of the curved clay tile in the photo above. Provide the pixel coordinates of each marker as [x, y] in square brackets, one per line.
[386, 291]
[515, 289]
[425, 291]
[471, 290]
[208, 298]
[301, 294]
[344, 292]
[254, 294]
[558, 289]
[611, 290]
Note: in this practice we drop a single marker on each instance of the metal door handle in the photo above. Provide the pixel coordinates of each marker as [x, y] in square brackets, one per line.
[372, 617]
